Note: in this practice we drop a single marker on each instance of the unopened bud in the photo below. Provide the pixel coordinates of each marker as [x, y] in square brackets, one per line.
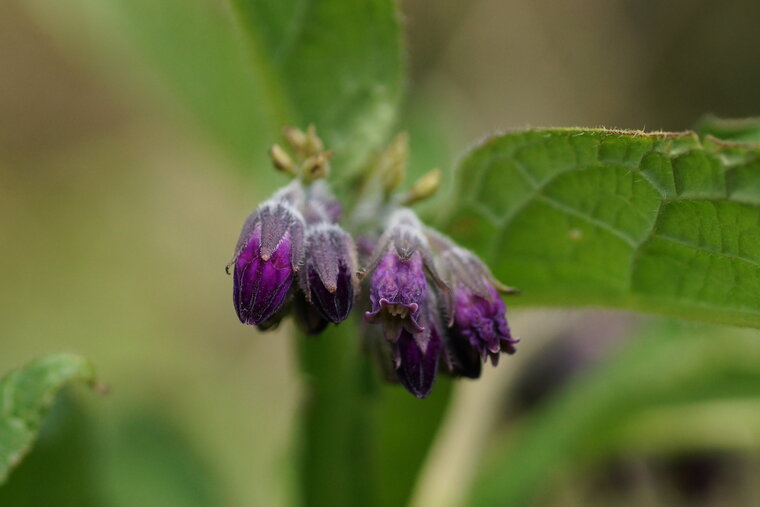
[281, 160]
[316, 167]
[266, 258]
[328, 278]
[424, 187]
[296, 138]
[313, 144]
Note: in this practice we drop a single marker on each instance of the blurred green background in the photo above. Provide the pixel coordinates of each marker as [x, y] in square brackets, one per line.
[118, 214]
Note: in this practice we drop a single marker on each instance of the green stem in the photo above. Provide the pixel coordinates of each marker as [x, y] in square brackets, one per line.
[336, 427]
[362, 442]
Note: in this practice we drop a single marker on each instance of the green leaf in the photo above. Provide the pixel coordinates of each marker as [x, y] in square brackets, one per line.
[339, 65]
[151, 460]
[661, 222]
[65, 457]
[666, 368]
[246, 73]
[745, 130]
[137, 455]
[26, 395]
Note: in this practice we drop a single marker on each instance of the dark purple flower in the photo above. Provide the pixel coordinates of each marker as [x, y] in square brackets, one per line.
[397, 291]
[481, 322]
[416, 358]
[479, 314]
[328, 279]
[460, 358]
[400, 272]
[265, 260]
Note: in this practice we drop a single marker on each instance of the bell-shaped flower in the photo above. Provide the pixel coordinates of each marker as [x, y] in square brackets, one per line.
[479, 314]
[400, 272]
[416, 357]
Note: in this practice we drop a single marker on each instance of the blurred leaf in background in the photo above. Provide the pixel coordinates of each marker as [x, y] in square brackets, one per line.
[143, 459]
[244, 73]
[117, 220]
[704, 381]
[64, 465]
[26, 395]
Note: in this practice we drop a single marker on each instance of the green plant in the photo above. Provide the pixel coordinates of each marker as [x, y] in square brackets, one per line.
[656, 222]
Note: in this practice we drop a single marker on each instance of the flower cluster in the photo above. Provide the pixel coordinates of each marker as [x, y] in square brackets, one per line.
[438, 306]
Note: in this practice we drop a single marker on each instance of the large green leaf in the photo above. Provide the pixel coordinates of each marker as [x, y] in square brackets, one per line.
[667, 368]
[661, 222]
[26, 395]
[246, 71]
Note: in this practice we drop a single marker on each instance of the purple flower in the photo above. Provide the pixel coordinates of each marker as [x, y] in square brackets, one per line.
[481, 323]
[328, 279]
[479, 327]
[397, 291]
[265, 260]
[416, 358]
[460, 358]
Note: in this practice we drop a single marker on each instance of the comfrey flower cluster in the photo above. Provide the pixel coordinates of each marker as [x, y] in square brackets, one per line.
[428, 305]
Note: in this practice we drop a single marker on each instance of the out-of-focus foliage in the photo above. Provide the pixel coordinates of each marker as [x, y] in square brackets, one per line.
[338, 64]
[655, 222]
[64, 459]
[142, 459]
[115, 234]
[246, 73]
[745, 130]
[26, 396]
[677, 368]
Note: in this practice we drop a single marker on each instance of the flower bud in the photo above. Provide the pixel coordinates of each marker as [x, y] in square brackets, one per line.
[328, 277]
[267, 256]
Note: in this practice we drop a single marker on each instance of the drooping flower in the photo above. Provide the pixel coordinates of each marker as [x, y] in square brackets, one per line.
[416, 360]
[328, 278]
[427, 322]
[400, 272]
[479, 326]
[266, 258]
[481, 321]
[416, 355]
